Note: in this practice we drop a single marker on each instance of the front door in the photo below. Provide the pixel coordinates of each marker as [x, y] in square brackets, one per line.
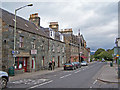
[25, 64]
[33, 63]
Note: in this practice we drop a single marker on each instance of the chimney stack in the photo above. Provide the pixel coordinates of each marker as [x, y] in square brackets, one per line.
[34, 18]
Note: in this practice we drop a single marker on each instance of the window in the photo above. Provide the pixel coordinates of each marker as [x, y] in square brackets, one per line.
[33, 44]
[51, 33]
[21, 39]
[42, 60]
[20, 63]
[63, 49]
[58, 48]
[53, 47]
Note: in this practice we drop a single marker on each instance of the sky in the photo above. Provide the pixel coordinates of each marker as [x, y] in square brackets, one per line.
[97, 20]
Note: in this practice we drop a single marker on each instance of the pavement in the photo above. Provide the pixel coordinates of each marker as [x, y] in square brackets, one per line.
[109, 74]
[33, 74]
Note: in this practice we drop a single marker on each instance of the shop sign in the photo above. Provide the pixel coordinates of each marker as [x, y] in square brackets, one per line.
[33, 51]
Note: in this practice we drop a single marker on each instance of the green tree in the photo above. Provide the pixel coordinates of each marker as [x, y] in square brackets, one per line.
[110, 54]
[103, 54]
[98, 52]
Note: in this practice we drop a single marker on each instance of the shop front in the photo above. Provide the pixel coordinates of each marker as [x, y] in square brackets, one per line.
[22, 63]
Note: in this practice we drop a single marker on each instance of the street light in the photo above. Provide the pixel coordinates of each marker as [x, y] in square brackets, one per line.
[79, 52]
[15, 26]
[118, 56]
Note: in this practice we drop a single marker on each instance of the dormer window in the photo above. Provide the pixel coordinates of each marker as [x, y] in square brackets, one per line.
[51, 33]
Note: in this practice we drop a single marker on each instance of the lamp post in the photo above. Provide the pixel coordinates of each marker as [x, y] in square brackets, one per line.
[118, 57]
[15, 26]
[79, 52]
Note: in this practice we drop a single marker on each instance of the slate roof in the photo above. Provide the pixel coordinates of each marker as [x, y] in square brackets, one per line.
[23, 24]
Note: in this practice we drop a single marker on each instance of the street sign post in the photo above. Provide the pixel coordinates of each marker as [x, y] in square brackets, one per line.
[13, 52]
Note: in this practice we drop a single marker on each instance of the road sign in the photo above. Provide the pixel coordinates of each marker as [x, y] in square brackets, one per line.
[13, 52]
[14, 55]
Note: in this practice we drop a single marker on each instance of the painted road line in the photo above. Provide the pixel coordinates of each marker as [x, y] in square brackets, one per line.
[94, 81]
[77, 71]
[90, 86]
[41, 84]
[65, 76]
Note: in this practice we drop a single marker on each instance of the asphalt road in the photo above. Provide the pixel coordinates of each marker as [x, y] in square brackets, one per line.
[85, 77]
[80, 78]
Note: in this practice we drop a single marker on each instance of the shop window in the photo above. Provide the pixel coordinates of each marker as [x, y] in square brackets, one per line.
[20, 63]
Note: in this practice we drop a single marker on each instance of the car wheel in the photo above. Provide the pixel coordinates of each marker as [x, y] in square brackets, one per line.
[4, 82]
[74, 68]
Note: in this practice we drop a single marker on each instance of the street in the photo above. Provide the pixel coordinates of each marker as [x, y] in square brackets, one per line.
[84, 77]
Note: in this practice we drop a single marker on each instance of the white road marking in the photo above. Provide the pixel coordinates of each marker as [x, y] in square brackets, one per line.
[94, 81]
[41, 84]
[90, 86]
[77, 71]
[55, 75]
[65, 76]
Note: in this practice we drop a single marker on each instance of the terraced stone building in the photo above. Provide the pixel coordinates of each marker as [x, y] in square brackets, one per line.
[34, 46]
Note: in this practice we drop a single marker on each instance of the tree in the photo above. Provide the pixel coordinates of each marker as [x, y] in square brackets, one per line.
[98, 52]
[103, 54]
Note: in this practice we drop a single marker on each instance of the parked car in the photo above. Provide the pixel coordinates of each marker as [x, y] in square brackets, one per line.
[77, 64]
[4, 78]
[69, 66]
[84, 63]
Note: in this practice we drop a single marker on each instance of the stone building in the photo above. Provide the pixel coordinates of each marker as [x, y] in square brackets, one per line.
[76, 49]
[84, 51]
[33, 44]
[56, 47]
[36, 45]
[72, 45]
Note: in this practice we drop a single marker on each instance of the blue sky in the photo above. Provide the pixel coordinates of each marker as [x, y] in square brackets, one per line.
[97, 21]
